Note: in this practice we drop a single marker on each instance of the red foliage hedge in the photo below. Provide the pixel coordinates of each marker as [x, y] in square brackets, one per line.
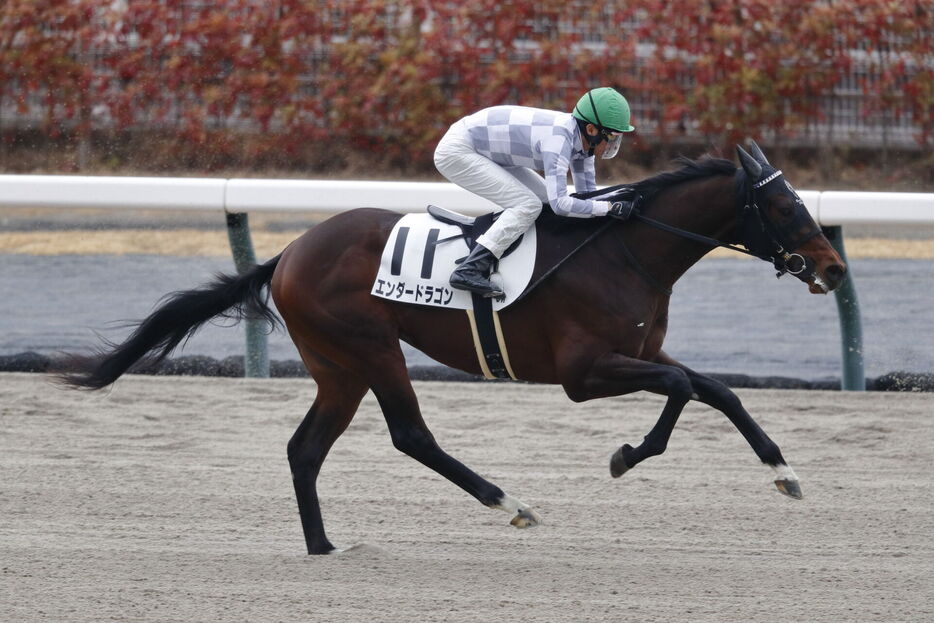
[390, 76]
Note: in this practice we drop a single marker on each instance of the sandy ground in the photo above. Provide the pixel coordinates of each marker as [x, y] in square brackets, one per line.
[169, 499]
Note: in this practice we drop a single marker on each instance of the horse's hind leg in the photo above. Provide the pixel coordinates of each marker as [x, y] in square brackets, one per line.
[339, 395]
[410, 435]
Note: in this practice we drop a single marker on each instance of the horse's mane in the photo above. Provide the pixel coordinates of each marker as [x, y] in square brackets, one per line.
[706, 166]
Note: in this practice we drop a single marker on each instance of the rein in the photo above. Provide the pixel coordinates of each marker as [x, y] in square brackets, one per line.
[712, 242]
[551, 270]
[784, 249]
[636, 265]
[760, 237]
[750, 204]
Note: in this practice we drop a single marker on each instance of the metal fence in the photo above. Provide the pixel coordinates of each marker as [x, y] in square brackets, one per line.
[235, 198]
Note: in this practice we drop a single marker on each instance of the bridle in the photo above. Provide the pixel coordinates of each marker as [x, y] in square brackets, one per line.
[759, 236]
[768, 241]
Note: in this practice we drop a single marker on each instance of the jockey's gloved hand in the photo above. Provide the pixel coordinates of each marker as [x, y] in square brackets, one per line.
[621, 209]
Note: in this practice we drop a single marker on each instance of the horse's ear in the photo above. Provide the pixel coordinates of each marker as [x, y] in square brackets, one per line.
[750, 165]
[757, 153]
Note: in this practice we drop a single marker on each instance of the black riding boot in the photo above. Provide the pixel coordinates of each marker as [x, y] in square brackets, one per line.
[474, 273]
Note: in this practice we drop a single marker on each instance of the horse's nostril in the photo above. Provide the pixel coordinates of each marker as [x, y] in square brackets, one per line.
[836, 272]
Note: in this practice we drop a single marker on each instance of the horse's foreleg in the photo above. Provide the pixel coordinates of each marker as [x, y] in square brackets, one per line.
[410, 435]
[339, 395]
[614, 375]
[720, 397]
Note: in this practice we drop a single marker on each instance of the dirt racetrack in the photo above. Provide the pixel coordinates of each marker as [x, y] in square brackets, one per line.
[169, 499]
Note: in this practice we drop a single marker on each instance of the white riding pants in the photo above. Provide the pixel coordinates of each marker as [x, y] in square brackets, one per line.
[518, 190]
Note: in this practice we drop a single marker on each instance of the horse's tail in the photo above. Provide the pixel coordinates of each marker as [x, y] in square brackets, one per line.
[179, 316]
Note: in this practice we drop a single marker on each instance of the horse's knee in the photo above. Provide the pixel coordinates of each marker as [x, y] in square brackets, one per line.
[414, 443]
[678, 385]
[719, 396]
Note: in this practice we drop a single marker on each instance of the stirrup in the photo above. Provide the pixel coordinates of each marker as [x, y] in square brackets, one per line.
[488, 293]
[481, 285]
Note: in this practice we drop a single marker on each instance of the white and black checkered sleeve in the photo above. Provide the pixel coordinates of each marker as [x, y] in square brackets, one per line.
[556, 157]
[584, 174]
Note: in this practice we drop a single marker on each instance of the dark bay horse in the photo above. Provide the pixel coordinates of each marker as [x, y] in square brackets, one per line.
[595, 326]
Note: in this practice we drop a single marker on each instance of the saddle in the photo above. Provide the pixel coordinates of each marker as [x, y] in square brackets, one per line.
[559, 238]
[471, 227]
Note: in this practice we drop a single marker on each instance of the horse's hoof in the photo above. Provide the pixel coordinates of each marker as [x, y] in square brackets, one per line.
[618, 465]
[527, 518]
[325, 551]
[791, 488]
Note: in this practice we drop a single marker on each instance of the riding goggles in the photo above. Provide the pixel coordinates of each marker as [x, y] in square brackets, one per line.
[613, 141]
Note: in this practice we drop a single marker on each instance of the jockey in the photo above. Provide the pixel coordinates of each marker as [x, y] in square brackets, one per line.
[496, 152]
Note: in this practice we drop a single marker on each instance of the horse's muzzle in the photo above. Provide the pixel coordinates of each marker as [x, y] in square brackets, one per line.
[829, 280]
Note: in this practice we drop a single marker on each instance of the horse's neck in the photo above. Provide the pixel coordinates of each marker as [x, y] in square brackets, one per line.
[705, 207]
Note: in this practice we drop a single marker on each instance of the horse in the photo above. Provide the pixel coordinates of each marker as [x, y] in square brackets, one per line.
[595, 325]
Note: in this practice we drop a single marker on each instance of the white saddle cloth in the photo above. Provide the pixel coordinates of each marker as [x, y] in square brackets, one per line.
[417, 262]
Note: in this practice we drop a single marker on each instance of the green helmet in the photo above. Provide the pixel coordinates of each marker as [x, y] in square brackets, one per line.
[605, 108]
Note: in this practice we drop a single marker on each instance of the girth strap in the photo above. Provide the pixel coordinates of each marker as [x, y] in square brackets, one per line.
[488, 339]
